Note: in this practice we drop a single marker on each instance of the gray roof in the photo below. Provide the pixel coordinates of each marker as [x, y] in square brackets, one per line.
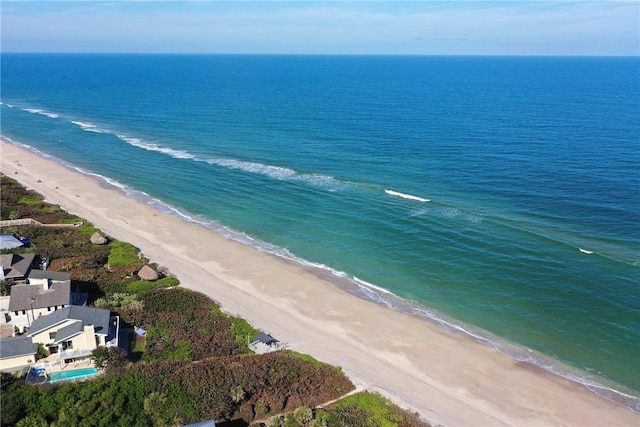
[16, 266]
[97, 317]
[16, 346]
[208, 423]
[68, 331]
[265, 338]
[58, 276]
[9, 241]
[22, 296]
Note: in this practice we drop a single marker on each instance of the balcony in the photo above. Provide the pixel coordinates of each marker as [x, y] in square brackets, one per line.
[74, 354]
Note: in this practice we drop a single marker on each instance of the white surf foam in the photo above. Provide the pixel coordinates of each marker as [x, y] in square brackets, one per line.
[279, 173]
[149, 146]
[406, 196]
[41, 112]
[584, 251]
[88, 127]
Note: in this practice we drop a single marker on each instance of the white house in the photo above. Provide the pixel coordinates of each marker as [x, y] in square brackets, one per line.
[46, 278]
[27, 303]
[75, 331]
[16, 353]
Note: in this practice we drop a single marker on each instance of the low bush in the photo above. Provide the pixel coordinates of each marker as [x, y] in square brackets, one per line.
[140, 286]
[243, 332]
[122, 253]
[370, 409]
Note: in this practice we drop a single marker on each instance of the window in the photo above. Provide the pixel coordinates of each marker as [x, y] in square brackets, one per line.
[16, 313]
[24, 312]
[48, 308]
[52, 335]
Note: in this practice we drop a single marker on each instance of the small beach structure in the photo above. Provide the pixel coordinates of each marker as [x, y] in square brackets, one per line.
[265, 343]
[98, 239]
[148, 273]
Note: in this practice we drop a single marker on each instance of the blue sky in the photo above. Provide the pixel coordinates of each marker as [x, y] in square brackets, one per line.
[329, 27]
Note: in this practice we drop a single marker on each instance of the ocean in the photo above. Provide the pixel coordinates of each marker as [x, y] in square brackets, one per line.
[496, 196]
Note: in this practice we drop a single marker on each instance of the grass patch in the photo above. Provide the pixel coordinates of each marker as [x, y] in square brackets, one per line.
[145, 285]
[122, 253]
[371, 409]
[309, 359]
[31, 200]
[243, 332]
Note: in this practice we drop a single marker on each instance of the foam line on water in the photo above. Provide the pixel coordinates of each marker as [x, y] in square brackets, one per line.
[87, 127]
[41, 112]
[406, 196]
[330, 183]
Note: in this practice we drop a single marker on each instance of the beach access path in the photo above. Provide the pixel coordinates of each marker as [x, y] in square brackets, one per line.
[447, 377]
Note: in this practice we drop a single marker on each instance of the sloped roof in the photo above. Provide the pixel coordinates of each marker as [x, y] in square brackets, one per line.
[265, 338]
[57, 276]
[207, 423]
[22, 296]
[16, 265]
[9, 241]
[68, 331]
[148, 273]
[98, 239]
[97, 317]
[16, 346]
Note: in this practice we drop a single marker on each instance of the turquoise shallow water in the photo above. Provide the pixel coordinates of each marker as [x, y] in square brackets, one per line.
[500, 195]
[70, 375]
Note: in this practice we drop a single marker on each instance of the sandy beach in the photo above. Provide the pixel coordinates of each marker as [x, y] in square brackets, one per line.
[448, 378]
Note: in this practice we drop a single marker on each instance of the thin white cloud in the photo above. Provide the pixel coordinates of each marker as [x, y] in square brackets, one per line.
[556, 28]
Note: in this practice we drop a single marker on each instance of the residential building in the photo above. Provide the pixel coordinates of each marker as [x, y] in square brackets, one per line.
[47, 278]
[17, 353]
[75, 331]
[16, 267]
[27, 303]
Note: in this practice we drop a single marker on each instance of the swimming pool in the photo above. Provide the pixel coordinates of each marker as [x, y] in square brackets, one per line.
[74, 375]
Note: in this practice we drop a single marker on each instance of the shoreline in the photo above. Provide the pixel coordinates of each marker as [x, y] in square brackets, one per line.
[447, 377]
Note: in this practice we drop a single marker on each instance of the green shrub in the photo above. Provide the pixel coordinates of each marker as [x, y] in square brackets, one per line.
[307, 358]
[243, 331]
[176, 299]
[122, 253]
[31, 200]
[370, 409]
[145, 285]
[118, 301]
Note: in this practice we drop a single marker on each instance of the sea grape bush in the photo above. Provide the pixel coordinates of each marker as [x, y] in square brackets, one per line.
[247, 387]
[177, 299]
[227, 388]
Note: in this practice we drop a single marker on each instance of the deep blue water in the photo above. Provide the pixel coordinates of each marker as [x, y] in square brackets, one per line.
[508, 167]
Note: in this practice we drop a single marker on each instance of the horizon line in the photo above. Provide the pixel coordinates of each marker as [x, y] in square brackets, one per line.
[522, 55]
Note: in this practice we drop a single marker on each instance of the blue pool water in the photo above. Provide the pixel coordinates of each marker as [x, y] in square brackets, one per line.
[75, 374]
